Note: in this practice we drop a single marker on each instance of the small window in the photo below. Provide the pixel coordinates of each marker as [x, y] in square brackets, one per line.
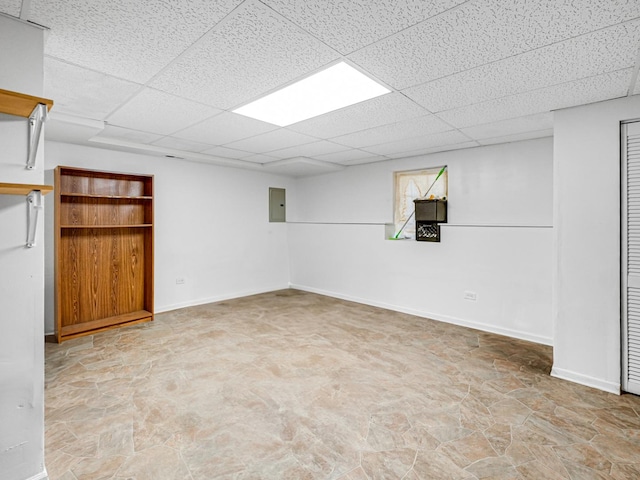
[411, 185]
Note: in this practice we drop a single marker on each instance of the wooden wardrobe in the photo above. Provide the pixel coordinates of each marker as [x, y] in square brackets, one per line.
[103, 250]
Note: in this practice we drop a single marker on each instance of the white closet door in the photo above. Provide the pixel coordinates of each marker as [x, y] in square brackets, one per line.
[631, 258]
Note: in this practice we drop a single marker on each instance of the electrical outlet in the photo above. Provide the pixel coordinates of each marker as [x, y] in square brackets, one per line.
[180, 281]
[468, 295]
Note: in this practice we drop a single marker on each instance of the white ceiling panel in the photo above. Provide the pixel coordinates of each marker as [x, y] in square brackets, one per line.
[416, 143]
[440, 148]
[226, 152]
[389, 108]
[180, 144]
[225, 128]
[603, 51]
[362, 161]
[159, 112]
[259, 158]
[11, 7]
[588, 90]
[354, 24]
[301, 167]
[484, 31]
[127, 134]
[127, 39]
[253, 51]
[309, 150]
[82, 92]
[61, 131]
[276, 140]
[512, 126]
[517, 137]
[396, 131]
[345, 157]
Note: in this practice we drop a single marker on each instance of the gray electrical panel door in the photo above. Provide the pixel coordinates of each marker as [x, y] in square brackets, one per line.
[277, 205]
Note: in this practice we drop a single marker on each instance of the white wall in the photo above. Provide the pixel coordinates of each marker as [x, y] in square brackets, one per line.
[211, 227]
[498, 242]
[21, 269]
[586, 277]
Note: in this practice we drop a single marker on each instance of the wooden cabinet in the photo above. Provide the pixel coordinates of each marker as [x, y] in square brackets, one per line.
[103, 250]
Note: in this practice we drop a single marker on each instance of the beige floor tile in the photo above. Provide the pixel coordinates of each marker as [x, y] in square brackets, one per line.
[293, 385]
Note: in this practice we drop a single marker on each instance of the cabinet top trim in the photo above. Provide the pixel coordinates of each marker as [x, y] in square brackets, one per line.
[14, 103]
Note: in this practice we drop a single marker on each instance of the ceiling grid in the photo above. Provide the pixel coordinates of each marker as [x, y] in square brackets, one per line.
[163, 77]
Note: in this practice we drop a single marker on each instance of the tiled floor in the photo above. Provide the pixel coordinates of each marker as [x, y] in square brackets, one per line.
[292, 385]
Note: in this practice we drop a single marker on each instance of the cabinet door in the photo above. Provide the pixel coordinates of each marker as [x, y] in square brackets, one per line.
[631, 258]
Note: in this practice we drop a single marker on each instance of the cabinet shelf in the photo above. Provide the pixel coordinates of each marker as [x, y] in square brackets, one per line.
[23, 188]
[87, 328]
[110, 197]
[138, 225]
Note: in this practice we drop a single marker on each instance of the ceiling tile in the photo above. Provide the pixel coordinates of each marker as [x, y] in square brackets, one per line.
[252, 52]
[517, 137]
[588, 90]
[11, 7]
[301, 167]
[603, 51]
[309, 150]
[226, 152]
[484, 31]
[159, 112]
[369, 159]
[440, 148]
[348, 26]
[389, 108]
[347, 156]
[61, 131]
[180, 144]
[82, 92]
[416, 143]
[276, 140]
[259, 158]
[394, 132]
[512, 126]
[130, 40]
[225, 128]
[127, 134]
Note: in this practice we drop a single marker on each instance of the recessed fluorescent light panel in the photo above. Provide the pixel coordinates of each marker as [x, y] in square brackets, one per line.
[335, 87]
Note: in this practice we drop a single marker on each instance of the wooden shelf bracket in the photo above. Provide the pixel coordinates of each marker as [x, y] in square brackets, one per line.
[34, 205]
[36, 119]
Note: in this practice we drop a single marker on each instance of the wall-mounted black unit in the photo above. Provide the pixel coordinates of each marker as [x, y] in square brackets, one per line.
[429, 214]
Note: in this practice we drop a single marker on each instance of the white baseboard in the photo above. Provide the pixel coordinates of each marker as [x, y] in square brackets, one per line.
[433, 316]
[43, 475]
[219, 298]
[586, 380]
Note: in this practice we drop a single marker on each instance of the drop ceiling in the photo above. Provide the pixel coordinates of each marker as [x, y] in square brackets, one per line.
[162, 77]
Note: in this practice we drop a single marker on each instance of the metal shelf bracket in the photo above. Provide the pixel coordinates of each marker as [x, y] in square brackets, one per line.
[36, 119]
[34, 205]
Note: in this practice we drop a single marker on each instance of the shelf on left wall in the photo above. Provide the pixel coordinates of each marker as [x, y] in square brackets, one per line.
[20, 104]
[23, 188]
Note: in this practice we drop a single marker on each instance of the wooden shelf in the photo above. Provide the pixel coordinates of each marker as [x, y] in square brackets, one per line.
[104, 250]
[23, 188]
[88, 328]
[145, 225]
[110, 197]
[14, 103]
